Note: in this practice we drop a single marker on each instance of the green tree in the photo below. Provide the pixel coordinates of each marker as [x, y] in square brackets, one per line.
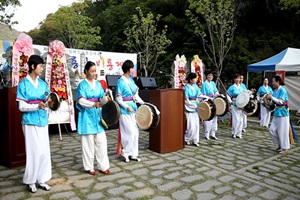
[214, 22]
[71, 26]
[290, 4]
[144, 38]
[5, 13]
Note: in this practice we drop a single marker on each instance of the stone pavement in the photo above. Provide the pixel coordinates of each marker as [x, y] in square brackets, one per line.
[226, 168]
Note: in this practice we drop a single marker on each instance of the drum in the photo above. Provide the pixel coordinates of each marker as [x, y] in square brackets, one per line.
[251, 107]
[110, 113]
[53, 101]
[146, 117]
[242, 99]
[268, 103]
[207, 110]
[222, 105]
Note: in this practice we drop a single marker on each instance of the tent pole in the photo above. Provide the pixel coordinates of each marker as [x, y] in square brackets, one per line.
[247, 79]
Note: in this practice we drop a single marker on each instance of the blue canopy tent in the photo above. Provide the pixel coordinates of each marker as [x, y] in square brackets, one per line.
[289, 61]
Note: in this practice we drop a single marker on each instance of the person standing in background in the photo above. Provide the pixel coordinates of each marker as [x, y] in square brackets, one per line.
[32, 93]
[93, 137]
[265, 113]
[192, 97]
[279, 129]
[244, 120]
[127, 97]
[209, 89]
[236, 113]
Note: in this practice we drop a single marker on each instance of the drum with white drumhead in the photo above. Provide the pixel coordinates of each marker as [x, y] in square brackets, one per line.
[222, 105]
[242, 99]
[146, 117]
[207, 110]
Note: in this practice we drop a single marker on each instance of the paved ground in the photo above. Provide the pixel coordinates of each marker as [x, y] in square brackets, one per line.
[227, 168]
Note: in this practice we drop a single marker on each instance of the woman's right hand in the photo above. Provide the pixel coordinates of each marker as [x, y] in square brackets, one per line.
[129, 109]
[97, 104]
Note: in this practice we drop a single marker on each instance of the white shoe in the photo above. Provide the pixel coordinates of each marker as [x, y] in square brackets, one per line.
[233, 136]
[32, 188]
[214, 137]
[244, 130]
[135, 159]
[207, 138]
[187, 143]
[196, 144]
[44, 186]
[126, 159]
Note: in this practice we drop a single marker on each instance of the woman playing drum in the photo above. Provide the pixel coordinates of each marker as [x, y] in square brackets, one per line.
[279, 129]
[93, 137]
[32, 93]
[237, 113]
[265, 114]
[209, 88]
[192, 98]
[127, 96]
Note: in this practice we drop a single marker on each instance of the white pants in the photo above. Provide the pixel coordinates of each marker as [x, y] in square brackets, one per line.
[38, 156]
[94, 145]
[129, 135]
[211, 127]
[279, 131]
[265, 116]
[244, 121]
[193, 127]
[237, 121]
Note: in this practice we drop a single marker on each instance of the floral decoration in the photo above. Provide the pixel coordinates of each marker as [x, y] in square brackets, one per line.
[58, 79]
[23, 49]
[181, 70]
[23, 66]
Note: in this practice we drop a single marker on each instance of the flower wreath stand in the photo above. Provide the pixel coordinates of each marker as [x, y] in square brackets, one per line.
[179, 72]
[58, 79]
[197, 67]
[22, 50]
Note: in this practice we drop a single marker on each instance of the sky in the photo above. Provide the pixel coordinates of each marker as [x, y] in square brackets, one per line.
[32, 12]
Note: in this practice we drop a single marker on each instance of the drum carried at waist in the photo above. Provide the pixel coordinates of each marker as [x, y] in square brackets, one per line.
[222, 105]
[110, 110]
[147, 117]
[53, 101]
[110, 113]
[268, 103]
[207, 109]
[249, 105]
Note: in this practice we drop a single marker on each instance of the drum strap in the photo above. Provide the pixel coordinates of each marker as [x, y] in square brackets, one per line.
[280, 106]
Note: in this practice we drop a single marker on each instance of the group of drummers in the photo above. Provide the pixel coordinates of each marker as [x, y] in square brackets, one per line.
[208, 104]
[34, 99]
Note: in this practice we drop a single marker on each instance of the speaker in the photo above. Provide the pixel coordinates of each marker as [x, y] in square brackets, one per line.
[146, 83]
[112, 80]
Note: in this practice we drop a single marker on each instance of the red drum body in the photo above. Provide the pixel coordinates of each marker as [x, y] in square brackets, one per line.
[146, 117]
[207, 110]
[222, 106]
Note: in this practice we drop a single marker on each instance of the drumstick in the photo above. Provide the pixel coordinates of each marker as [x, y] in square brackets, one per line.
[140, 114]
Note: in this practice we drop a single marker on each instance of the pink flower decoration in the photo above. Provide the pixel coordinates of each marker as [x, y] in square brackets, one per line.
[57, 48]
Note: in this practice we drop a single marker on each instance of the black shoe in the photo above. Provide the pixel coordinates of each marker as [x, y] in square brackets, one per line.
[135, 159]
[213, 137]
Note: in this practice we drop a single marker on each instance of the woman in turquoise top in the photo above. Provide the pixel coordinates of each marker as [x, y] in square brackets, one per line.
[32, 93]
[93, 137]
[279, 129]
[236, 113]
[127, 96]
[265, 114]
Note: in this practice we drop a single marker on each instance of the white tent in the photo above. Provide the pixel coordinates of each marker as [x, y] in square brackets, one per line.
[289, 61]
